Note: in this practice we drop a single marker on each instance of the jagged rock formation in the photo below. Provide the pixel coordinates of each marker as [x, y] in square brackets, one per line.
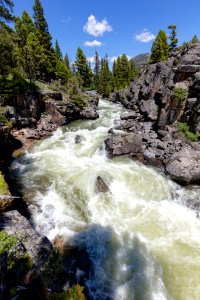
[37, 115]
[155, 111]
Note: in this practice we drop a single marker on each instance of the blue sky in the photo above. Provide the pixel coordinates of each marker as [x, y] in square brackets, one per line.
[114, 25]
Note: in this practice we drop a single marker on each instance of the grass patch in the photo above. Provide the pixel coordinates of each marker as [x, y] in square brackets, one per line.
[4, 190]
[179, 94]
[184, 127]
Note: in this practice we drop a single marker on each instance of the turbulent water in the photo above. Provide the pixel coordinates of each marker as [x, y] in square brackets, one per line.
[143, 242]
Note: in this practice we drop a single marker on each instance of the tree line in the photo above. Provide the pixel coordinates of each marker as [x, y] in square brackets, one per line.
[161, 50]
[27, 53]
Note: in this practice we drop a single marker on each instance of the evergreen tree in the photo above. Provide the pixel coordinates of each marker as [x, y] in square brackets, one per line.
[172, 37]
[118, 77]
[58, 51]
[62, 72]
[160, 48]
[67, 61]
[124, 71]
[104, 78]
[83, 69]
[41, 25]
[195, 39]
[7, 57]
[6, 9]
[44, 38]
[23, 27]
[97, 69]
[133, 70]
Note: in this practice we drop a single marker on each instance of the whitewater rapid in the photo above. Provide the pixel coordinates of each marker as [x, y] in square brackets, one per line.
[143, 242]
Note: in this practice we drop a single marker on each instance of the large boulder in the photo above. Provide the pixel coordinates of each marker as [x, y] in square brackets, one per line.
[149, 109]
[184, 166]
[124, 144]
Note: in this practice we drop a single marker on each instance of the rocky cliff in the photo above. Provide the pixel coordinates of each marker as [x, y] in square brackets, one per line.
[164, 117]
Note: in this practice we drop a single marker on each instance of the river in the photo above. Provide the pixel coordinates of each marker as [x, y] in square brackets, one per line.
[143, 241]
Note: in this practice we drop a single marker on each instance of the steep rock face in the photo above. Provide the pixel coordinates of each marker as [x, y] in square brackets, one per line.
[151, 93]
[155, 111]
[37, 115]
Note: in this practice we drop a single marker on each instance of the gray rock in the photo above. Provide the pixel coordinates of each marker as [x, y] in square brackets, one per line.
[14, 223]
[89, 113]
[128, 115]
[184, 166]
[149, 109]
[191, 102]
[188, 68]
[101, 186]
[124, 144]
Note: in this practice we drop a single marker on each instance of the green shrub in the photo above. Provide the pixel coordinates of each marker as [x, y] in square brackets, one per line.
[184, 127]
[7, 242]
[78, 100]
[179, 94]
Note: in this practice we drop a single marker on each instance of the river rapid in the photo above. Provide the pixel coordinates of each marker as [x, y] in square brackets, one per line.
[143, 241]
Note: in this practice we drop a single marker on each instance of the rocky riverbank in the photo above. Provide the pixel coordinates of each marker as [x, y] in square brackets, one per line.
[164, 120]
[37, 270]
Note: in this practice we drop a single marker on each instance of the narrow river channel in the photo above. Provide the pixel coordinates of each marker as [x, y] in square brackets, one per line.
[144, 243]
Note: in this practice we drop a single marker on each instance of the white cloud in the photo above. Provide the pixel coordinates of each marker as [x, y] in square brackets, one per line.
[145, 36]
[96, 28]
[91, 59]
[93, 44]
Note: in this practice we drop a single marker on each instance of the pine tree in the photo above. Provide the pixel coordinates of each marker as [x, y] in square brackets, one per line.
[58, 51]
[83, 69]
[23, 27]
[41, 25]
[105, 77]
[124, 71]
[133, 70]
[67, 61]
[160, 48]
[195, 39]
[6, 10]
[44, 38]
[97, 69]
[172, 37]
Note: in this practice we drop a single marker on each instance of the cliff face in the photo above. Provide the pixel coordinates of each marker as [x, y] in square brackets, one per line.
[164, 118]
[151, 94]
[34, 115]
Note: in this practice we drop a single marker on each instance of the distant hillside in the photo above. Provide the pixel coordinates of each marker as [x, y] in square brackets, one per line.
[141, 59]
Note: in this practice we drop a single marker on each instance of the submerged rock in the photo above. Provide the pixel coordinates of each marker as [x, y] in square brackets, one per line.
[101, 186]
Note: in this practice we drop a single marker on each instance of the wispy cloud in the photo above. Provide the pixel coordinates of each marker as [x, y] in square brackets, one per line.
[145, 36]
[96, 28]
[94, 43]
[67, 20]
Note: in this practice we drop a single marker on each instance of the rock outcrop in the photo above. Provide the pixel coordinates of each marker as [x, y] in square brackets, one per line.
[154, 112]
[38, 114]
[28, 262]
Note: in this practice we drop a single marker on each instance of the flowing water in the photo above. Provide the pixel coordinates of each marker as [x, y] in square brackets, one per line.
[143, 242]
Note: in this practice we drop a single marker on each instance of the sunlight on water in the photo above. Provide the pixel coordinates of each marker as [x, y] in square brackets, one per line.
[143, 243]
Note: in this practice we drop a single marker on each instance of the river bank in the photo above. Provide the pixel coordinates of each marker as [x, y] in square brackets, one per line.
[126, 250]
